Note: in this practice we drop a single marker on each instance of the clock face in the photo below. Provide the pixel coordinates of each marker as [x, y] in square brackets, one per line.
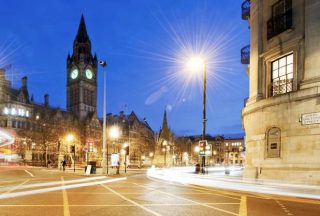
[89, 74]
[74, 74]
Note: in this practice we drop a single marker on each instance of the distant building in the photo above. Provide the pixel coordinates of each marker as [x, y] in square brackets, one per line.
[224, 151]
[282, 114]
[36, 133]
[135, 133]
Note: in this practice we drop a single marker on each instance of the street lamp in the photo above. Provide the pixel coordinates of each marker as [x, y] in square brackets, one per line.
[104, 138]
[195, 64]
[70, 139]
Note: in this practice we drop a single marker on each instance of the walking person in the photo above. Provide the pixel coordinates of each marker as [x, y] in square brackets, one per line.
[64, 163]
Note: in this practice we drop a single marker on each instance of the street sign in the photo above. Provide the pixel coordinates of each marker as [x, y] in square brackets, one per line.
[115, 160]
[208, 151]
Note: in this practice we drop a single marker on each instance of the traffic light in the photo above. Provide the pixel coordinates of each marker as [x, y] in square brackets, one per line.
[127, 150]
[202, 147]
[90, 147]
[73, 149]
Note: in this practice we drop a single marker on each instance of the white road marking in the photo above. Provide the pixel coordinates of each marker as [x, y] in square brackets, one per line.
[189, 200]
[29, 173]
[14, 187]
[66, 210]
[131, 201]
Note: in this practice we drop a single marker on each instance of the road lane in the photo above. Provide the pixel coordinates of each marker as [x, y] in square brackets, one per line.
[139, 195]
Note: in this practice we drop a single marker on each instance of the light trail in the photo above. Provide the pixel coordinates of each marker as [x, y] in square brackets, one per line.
[63, 187]
[5, 139]
[292, 190]
[56, 183]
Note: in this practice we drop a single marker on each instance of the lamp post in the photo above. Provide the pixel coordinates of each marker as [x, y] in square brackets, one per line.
[196, 64]
[70, 138]
[104, 138]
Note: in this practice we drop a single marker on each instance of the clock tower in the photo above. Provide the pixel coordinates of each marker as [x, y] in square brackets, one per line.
[82, 75]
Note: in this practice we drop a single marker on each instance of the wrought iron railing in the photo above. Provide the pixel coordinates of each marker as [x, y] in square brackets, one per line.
[245, 8]
[279, 24]
[245, 55]
[281, 87]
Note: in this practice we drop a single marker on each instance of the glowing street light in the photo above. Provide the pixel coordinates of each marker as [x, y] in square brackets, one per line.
[114, 132]
[69, 139]
[195, 64]
[197, 149]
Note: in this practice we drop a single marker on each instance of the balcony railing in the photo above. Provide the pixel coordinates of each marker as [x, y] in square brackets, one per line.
[279, 24]
[245, 7]
[281, 87]
[245, 55]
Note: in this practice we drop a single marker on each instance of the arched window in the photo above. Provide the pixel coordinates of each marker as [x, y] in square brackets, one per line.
[273, 142]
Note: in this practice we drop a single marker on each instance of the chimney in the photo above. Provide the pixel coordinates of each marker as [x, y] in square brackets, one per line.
[24, 81]
[46, 100]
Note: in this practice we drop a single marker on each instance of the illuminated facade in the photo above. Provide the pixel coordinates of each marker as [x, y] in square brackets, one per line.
[225, 150]
[282, 114]
[36, 132]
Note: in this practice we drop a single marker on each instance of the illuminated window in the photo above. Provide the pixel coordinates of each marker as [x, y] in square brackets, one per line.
[273, 143]
[13, 111]
[6, 111]
[282, 75]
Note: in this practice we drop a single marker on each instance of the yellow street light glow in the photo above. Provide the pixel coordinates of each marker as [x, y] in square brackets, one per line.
[70, 138]
[114, 132]
[125, 145]
[197, 149]
[123, 152]
[151, 154]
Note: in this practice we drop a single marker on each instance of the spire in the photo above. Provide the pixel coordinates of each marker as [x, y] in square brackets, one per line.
[165, 122]
[82, 35]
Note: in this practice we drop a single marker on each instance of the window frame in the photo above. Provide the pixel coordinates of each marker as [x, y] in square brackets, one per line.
[288, 81]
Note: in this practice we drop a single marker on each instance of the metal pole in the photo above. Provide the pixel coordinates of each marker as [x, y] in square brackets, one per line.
[125, 163]
[104, 135]
[74, 158]
[204, 113]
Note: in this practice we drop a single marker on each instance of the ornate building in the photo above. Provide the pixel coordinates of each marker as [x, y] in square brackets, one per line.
[165, 147]
[37, 133]
[282, 114]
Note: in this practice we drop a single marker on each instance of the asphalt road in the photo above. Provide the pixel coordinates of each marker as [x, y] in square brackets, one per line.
[25, 191]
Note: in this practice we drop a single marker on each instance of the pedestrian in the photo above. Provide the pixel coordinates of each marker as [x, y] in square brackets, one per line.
[64, 165]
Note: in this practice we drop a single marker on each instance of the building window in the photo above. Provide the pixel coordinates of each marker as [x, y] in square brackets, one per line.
[273, 143]
[281, 19]
[282, 75]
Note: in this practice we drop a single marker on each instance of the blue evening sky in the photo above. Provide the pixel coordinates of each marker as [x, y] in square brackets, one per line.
[145, 43]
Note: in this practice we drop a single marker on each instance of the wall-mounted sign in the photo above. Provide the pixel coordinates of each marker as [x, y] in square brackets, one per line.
[115, 160]
[310, 118]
